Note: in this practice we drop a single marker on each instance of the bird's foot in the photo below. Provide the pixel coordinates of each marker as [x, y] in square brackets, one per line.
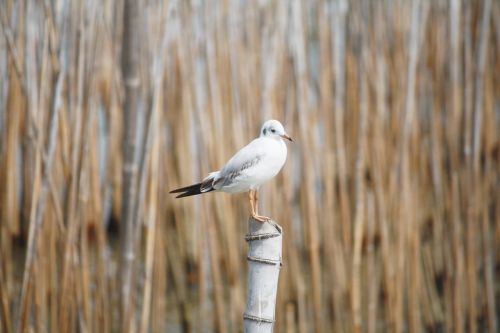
[260, 218]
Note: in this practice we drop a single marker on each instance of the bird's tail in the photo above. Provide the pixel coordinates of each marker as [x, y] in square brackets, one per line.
[188, 190]
[195, 189]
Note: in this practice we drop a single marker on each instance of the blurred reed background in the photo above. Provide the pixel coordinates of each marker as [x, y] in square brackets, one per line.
[390, 199]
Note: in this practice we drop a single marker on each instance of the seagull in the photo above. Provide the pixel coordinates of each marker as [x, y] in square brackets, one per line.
[248, 169]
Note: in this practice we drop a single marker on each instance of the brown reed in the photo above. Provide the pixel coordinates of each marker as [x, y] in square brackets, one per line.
[390, 199]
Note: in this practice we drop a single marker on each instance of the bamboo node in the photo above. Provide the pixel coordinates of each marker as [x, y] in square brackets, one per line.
[258, 319]
[265, 261]
[253, 237]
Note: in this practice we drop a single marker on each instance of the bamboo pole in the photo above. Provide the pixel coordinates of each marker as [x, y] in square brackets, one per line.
[264, 263]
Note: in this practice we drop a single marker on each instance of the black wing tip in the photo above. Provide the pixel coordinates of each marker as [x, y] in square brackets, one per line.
[188, 193]
[185, 194]
[190, 190]
[199, 188]
[193, 192]
[186, 188]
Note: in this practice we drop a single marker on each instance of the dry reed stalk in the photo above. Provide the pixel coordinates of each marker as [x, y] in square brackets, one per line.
[293, 274]
[150, 152]
[491, 140]
[220, 324]
[290, 319]
[16, 48]
[53, 283]
[203, 286]
[310, 213]
[422, 262]
[359, 216]
[330, 238]
[132, 84]
[82, 278]
[492, 320]
[465, 176]
[457, 250]
[151, 225]
[476, 177]
[178, 276]
[35, 122]
[379, 160]
[372, 272]
[473, 177]
[339, 14]
[15, 101]
[85, 317]
[401, 167]
[39, 317]
[100, 322]
[4, 303]
[67, 300]
[453, 132]
[159, 309]
[9, 197]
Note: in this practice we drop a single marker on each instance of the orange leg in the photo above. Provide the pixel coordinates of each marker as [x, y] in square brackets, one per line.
[252, 195]
[252, 202]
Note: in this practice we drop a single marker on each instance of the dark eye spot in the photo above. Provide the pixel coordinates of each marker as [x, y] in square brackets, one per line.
[273, 130]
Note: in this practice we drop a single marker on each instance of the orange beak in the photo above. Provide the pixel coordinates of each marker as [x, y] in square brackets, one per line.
[286, 136]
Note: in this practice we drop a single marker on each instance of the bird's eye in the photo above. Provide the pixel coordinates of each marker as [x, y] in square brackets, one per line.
[273, 130]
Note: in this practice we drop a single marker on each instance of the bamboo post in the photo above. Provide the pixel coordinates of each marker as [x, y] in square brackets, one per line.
[264, 263]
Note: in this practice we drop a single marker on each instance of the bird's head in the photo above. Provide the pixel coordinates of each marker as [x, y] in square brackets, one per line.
[274, 129]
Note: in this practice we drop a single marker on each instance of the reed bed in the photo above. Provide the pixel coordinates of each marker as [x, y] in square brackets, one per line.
[389, 201]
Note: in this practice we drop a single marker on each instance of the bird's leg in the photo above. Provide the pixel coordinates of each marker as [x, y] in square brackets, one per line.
[255, 207]
[252, 203]
[256, 200]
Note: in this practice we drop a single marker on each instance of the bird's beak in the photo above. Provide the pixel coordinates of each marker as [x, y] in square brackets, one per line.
[286, 136]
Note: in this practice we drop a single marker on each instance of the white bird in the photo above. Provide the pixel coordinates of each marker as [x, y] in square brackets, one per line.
[248, 169]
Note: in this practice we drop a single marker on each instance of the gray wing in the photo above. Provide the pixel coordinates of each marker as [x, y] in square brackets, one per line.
[240, 165]
[231, 173]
